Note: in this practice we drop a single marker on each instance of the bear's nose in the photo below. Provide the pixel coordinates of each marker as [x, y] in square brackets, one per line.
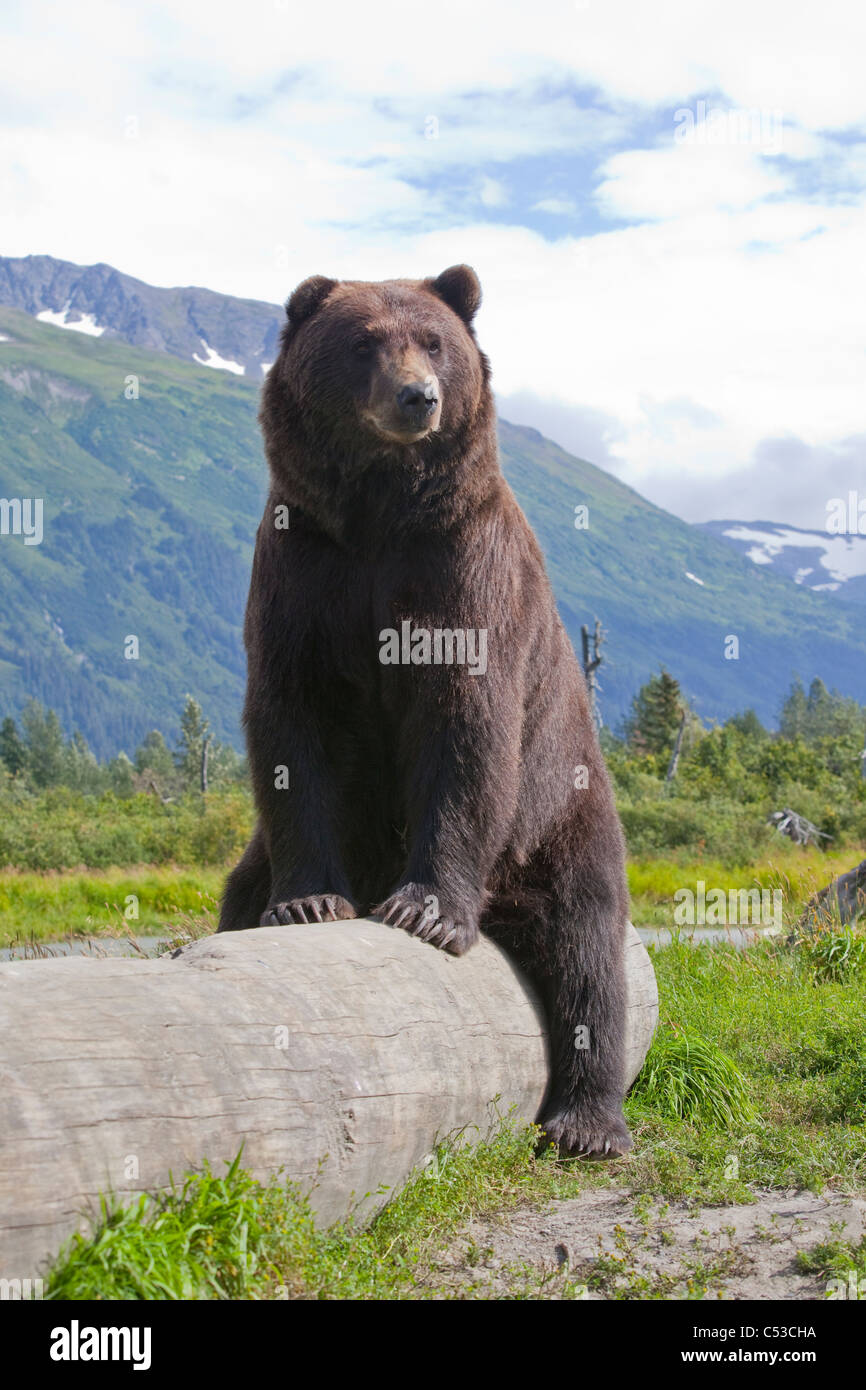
[418, 398]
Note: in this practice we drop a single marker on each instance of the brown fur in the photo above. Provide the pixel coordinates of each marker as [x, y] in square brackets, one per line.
[440, 801]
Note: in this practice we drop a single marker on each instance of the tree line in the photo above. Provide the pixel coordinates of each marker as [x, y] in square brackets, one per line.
[819, 744]
[818, 729]
[35, 753]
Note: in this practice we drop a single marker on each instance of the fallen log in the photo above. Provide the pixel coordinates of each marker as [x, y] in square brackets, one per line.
[351, 1044]
[797, 827]
[843, 900]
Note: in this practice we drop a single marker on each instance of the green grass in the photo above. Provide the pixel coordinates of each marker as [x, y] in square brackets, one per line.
[230, 1237]
[53, 907]
[768, 1060]
[798, 872]
[839, 1260]
[60, 852]
[835, 954]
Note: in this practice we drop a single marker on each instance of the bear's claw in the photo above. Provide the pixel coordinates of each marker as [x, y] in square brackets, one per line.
[410, 910]
[583, 1135]
[295, 910]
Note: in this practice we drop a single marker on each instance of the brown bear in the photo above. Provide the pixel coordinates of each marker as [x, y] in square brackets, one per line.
[410, 680]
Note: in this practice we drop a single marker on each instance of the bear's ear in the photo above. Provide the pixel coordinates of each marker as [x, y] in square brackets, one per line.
[461, 290]
[307, 298]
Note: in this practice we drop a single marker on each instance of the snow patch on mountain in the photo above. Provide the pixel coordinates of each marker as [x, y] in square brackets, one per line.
[843, 557]
[85, 323]
[213, 359]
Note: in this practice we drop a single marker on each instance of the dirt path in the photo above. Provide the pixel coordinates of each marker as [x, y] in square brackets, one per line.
[611, 1244]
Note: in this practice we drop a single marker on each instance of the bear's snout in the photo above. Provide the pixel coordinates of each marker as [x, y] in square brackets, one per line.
[404, 405]
[417, 400]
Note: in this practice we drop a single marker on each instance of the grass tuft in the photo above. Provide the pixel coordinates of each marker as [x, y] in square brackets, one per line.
[688, 1078]
[836, 953]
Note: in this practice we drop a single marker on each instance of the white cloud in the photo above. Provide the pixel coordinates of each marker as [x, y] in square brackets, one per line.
[188, 144]
[773, 55]
[682, 180]
[557, 207]
[587, 433]
[492, 193]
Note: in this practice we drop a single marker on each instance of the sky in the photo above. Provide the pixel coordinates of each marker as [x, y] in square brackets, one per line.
[666, 204]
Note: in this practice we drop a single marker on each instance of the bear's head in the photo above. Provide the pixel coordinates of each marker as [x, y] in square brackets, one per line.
[379, 366]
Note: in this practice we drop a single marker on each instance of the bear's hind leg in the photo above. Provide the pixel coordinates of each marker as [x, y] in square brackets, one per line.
[566, 928]
[582, 1113]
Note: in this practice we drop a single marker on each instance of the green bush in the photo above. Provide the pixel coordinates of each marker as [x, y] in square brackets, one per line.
[719, 829]
[63, 829]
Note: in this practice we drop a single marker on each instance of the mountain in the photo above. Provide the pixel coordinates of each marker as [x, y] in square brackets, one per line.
[671, 593]
[818, 560]
[215, 330]
[152, 478]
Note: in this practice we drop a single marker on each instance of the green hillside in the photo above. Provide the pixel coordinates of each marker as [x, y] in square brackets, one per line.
[150, 511]
[630, 569]
[150, 507]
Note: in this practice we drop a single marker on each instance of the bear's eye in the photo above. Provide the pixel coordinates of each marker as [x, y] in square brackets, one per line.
[434, 346]
[362, 347]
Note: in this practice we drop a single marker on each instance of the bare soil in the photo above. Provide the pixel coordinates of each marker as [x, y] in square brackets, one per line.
[611, 1244]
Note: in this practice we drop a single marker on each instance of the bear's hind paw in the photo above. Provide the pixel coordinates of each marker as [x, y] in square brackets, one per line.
[586, 1136]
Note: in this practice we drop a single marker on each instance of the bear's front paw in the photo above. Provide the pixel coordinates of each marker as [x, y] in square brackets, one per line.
[420, 912]
[317, 907]
[582, 1133]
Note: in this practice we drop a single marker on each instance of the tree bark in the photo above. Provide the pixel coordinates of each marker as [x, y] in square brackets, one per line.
[351, 1043]
[591, 665]
[675, 755]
